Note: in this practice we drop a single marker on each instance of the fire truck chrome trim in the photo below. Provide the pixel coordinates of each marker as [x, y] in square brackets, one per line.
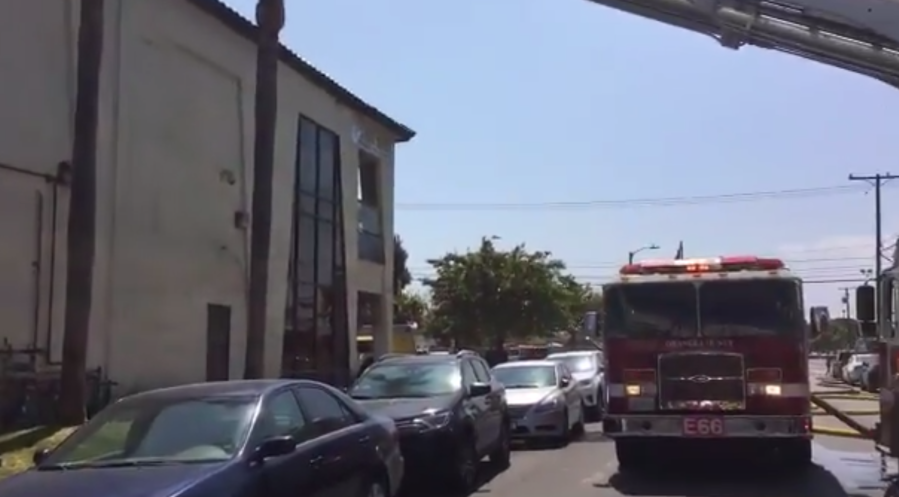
[734, 426]
[720, 404]
[787, 390]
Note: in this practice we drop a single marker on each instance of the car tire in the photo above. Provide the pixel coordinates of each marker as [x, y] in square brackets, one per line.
[501, 457]
[464, 471]
[579, 426]
[796, 454]
[633, 454]
[374, 487]
[565, 436]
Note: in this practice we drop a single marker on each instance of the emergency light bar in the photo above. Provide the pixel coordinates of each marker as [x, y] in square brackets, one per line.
[706, 265]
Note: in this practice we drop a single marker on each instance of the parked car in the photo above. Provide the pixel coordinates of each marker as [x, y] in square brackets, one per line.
[587, 369]
[839, 363]
[871, 378]
[450, 410]
[273, 438]
[856, 367]
[544, 401]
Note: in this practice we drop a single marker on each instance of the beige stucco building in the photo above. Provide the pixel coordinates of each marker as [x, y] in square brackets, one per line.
[174, 189]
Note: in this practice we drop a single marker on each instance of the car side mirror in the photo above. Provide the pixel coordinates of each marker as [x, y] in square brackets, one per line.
[479, 389]
[564, 382]
[39, 456]
[275, 446]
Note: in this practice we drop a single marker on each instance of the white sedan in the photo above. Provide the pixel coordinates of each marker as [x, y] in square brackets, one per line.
[587, 370]
[543, 400]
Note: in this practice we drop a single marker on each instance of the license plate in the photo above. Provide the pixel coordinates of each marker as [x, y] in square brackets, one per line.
[703, 427]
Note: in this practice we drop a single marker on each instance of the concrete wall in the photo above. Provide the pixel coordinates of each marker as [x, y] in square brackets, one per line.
[175, 157]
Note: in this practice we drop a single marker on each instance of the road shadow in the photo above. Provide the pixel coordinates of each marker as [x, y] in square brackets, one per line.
[426, 485]
[737, 480]
[587, 436]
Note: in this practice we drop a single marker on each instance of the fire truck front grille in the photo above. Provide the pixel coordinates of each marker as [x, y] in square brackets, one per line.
[701, 380]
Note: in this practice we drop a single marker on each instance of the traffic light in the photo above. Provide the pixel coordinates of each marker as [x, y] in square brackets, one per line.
[865, 299]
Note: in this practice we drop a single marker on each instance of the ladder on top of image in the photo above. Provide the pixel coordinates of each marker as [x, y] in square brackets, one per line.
[861, 36]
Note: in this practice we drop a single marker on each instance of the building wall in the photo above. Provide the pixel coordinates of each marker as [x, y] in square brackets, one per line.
[175, 157]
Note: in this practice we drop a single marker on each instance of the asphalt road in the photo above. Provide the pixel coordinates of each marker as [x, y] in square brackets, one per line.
[587, 468]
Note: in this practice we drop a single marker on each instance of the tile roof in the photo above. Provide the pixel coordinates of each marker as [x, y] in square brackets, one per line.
[247, 29]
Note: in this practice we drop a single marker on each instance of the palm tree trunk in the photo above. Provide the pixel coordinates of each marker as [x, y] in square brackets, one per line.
[80, 242]
[270, 19]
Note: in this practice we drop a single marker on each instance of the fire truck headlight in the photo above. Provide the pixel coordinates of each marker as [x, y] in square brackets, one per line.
[772, 390]
[632, 390]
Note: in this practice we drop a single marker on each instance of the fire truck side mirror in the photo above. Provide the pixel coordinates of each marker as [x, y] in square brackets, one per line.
[865, 299]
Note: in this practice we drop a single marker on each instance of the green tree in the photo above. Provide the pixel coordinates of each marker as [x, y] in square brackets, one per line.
[410, 308]
[401, 275]
[488, 295]
[841, 333]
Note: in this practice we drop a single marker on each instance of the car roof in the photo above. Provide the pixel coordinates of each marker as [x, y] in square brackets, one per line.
[525, 363]
[419, 359]
[233, 388]
[572, 353]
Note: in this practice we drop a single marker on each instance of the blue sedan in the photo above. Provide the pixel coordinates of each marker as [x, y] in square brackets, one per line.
[255, 438]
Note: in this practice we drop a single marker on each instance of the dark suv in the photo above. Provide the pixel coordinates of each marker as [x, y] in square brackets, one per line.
[449, 410]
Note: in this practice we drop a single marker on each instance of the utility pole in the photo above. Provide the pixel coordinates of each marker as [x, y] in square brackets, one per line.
[845, 301]
[877, 180]
[80, 241]
[270, 20]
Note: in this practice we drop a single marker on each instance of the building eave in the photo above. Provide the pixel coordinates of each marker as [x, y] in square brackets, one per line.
[247, 29]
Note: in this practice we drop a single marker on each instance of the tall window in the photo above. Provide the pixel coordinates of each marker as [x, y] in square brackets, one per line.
[316, 341]
[371, 236]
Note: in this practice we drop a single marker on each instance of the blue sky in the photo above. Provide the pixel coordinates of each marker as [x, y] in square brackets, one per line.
[539, 101]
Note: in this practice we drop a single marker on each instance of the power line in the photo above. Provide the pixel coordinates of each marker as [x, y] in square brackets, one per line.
[637, 202]
[878, 181]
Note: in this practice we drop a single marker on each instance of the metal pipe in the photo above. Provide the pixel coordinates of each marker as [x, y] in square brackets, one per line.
[20, 170]
[37, 271]
[51, 296]
[874, 59]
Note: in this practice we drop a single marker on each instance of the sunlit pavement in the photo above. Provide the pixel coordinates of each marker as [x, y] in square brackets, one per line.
[587, 468]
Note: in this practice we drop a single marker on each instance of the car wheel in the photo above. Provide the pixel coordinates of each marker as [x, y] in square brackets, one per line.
[565, 436]
[464, 472]
[634, 455]
[579, 425]
[374, 488]
[796, 454]
[501, 457]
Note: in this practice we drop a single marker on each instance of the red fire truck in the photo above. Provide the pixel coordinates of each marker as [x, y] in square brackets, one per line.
[706, 355]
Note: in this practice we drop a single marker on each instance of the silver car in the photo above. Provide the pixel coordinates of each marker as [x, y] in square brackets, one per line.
[587, 369]
[542, 398]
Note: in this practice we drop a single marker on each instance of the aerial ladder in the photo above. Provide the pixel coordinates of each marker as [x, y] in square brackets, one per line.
[861, 36]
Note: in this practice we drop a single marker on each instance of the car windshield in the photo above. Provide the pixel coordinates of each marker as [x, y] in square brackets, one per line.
[577, 363]
[152, 431]
[526, 376]
[397, 379]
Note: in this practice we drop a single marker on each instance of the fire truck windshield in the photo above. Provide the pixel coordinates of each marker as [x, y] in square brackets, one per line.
[734, 308]
[750, 307]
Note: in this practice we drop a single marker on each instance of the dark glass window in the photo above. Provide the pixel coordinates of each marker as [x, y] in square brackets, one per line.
[315, 344]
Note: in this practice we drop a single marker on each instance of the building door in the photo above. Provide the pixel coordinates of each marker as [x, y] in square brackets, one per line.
[218, 342]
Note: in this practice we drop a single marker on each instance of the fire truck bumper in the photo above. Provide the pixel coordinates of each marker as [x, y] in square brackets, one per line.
[730, 426]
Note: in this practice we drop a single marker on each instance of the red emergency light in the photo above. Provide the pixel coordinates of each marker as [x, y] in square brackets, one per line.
[713, 264]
